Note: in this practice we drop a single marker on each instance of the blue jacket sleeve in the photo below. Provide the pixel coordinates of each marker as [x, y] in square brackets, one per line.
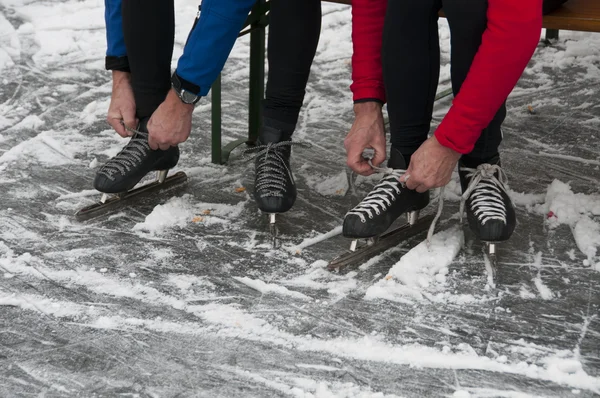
[114, 29]
[210, 43]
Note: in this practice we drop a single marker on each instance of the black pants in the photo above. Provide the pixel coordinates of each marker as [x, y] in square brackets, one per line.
[295, 25]
[411, 66]
[294, 30]
[149, 30]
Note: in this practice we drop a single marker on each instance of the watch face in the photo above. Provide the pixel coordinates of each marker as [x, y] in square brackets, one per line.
[187, 97]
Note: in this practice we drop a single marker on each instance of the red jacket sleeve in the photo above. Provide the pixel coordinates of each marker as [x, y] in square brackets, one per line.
[512, 34]
[367, 31]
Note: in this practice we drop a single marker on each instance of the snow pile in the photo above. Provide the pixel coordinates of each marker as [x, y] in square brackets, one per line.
[319, 278]
[184, 210]
[423, 268]
[577, 210]
[177, 212]
[587, 235]
[336, 185]
[266, 288]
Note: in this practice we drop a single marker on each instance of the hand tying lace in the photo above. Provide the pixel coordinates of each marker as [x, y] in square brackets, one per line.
[130, 156]
[385, 192]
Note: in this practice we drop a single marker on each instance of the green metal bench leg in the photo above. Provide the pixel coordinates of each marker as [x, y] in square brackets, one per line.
[257, 76]
[551, 34]
[220, 155]
[215, 113]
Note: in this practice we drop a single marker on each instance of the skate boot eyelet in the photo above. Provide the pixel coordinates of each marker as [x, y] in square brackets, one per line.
[364, 221]
[371, 216]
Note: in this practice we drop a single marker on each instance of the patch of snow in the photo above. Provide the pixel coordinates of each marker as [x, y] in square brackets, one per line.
[266, 288]
[423, 266]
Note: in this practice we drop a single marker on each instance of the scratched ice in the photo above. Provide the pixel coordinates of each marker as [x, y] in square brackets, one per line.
[183, 295]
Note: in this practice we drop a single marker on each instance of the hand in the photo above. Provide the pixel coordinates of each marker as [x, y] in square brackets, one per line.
[367, 132]
[122, 104]
[430, 166]
[171, 123]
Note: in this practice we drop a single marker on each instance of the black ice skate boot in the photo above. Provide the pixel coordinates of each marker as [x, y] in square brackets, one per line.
[387, 201]
[274, 186]
[490, 212]
[136, 159]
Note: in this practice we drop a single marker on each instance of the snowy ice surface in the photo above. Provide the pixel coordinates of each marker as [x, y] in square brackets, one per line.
[185, 295]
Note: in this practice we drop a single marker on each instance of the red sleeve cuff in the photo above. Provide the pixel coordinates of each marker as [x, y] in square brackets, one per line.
[445, 137]
[360, 93]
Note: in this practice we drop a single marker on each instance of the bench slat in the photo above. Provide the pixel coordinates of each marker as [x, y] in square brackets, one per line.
[580, 15]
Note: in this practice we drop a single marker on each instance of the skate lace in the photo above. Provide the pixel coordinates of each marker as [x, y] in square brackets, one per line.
[381, 196]
[130, 156]
[272, 169]
[485, 191]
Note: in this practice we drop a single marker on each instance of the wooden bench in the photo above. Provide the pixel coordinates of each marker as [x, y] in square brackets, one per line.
[577, 15]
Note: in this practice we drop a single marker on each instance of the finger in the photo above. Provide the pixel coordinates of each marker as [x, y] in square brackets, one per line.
[379, 156]
[164, 147]
[130, 121]
[357, 162]
[152, 142]
[412, 182]
[406, 176]
[422, 188]
[361, 167]
[117, 125]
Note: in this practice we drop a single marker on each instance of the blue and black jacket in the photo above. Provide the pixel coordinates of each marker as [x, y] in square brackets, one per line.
[206, 50]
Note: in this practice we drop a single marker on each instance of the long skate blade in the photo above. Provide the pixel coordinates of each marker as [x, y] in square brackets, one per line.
[113, 202]
[386, 241]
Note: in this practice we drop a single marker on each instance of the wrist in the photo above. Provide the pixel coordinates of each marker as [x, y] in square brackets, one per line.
[173, 98]
[449, 149]
[187, 92]
[119, 77]
[367, 107]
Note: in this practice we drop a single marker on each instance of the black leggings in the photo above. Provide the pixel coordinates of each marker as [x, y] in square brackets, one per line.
[294, 29]
[149, 30]
[411, 66]
[295, 25]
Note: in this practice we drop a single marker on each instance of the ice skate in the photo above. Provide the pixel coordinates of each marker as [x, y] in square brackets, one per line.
[274, 185]
[117, 177]
[376, 213]
[490, 212]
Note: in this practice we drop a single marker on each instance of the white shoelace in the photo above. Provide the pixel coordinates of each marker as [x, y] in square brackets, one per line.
[271, 170]
[484, 187]
[381, 196]
[485, 190]
[130, 156]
